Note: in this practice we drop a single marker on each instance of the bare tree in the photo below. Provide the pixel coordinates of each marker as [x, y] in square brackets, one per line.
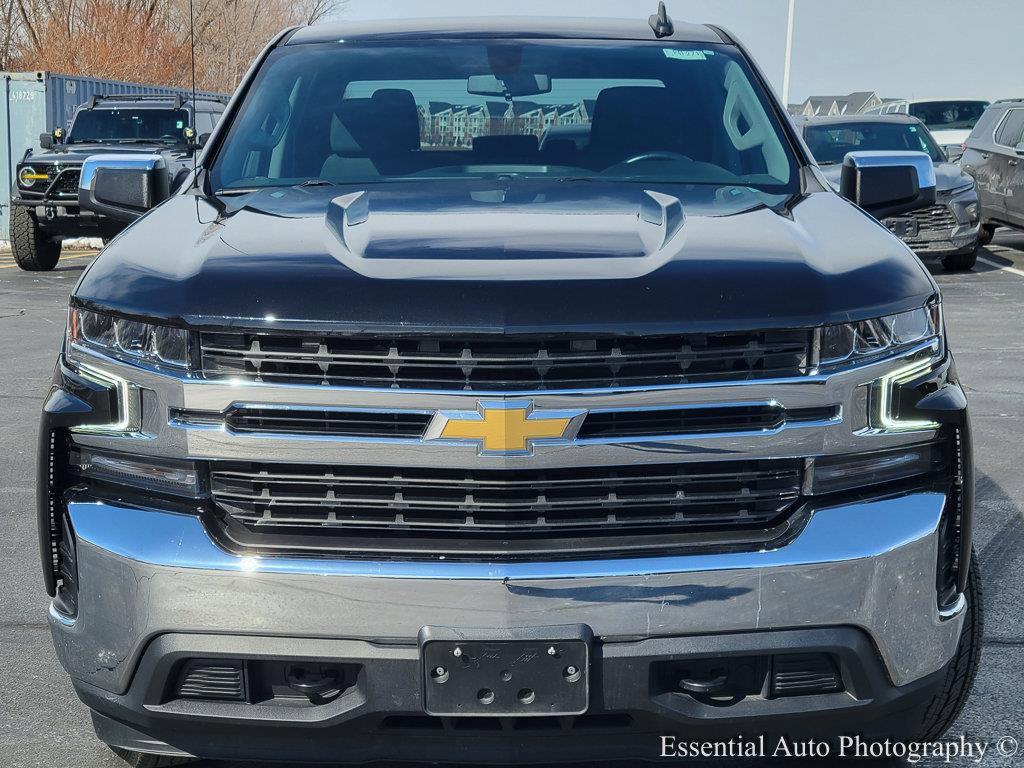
[10, 29]
[148, 40]
[230, 33]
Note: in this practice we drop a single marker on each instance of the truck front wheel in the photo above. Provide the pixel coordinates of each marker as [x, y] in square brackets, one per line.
[33, 250]
[946, 706]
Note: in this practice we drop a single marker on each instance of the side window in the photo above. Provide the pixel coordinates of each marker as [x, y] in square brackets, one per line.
[204, 123]
[1009, 132]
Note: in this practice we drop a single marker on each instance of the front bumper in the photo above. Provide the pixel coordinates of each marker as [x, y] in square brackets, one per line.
[62, 216]
[858, 580]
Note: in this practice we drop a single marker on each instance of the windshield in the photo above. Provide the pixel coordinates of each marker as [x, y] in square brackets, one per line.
[829, 143]
[367, 114]
[116, 126]
[949, 115]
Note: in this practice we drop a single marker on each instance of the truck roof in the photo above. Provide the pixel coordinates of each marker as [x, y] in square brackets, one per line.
[503, 28]
[895, 117]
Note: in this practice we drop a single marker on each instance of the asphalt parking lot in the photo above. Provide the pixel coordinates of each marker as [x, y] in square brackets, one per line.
[43, 724]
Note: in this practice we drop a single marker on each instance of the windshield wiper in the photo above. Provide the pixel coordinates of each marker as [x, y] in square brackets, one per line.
[236, 191]
[316, 183]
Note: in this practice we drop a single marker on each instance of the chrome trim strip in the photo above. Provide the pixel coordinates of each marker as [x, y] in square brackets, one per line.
[950, 612]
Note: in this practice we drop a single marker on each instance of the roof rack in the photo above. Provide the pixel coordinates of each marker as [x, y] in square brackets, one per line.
[1007, 101]
[661, 23]
[175, 98]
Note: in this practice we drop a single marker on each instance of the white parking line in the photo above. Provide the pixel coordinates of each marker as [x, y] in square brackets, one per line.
[997, 265]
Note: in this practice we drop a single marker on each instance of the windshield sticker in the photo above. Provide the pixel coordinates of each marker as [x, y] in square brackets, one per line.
[181, 124]
[675, 53]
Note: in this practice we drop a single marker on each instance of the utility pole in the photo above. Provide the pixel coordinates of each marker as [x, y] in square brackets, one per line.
[789, 53]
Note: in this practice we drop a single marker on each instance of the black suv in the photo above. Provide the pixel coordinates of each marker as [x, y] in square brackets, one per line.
[994, 155]
[44, 201]
[396, 435]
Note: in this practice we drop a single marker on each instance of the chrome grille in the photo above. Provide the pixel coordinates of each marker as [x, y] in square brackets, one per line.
[505, 505]
[932, 223]
[504, 363]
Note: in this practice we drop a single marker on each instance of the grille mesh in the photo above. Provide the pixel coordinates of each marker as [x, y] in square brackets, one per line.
[503, 363]
[504, 504]
[212, 679]
[327, 422]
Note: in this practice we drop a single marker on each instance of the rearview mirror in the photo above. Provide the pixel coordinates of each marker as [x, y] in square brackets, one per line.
[510, 85]
[888, 183]
[123, 188]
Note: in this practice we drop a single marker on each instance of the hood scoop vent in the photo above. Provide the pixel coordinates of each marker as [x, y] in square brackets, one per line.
[482, 236]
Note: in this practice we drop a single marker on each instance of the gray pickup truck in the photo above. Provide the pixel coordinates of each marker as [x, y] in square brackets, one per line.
[396, 435]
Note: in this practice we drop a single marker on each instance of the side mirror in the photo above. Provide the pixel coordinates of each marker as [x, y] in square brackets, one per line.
[954, 152]
[888, 183]
[122, 187]
[46, 140]
[203, 139]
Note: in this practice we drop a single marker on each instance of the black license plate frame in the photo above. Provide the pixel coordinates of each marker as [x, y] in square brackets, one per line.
[508, 673]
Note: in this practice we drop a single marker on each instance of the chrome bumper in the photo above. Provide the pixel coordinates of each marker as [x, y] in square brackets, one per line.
[143, 573]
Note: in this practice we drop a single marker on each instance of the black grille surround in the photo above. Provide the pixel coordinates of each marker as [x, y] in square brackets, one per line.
[306, 421]
[506, 513]
[504, 362]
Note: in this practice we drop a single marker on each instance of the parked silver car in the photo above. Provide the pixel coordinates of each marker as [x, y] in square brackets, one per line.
[947, 230]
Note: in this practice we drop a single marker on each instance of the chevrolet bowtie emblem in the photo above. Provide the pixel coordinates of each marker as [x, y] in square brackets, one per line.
[504, 428]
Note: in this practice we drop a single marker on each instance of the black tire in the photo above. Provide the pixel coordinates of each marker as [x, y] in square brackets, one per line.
[960, 262]
[144, 760]
[32, 249]
[946, 706]
[988, 231]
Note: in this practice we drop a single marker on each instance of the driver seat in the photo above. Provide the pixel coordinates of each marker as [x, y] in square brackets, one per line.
[633, 120]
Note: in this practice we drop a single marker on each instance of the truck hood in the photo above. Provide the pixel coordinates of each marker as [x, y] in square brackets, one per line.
[579, 257]
[76, 154]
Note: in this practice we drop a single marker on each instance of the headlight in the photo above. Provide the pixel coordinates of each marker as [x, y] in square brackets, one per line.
[868, 340]
[28, 176]
[161, 345]
[962, 188]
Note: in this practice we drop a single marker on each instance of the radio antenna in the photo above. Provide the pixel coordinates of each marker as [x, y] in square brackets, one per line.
[195, 136]
[660, 22]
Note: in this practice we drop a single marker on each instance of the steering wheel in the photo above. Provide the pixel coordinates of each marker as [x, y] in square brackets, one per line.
[643, 157]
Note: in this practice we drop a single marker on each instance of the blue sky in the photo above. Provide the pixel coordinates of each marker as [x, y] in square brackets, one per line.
[899, 48]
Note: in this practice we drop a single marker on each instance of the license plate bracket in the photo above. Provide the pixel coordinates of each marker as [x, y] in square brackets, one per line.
[509, 673]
